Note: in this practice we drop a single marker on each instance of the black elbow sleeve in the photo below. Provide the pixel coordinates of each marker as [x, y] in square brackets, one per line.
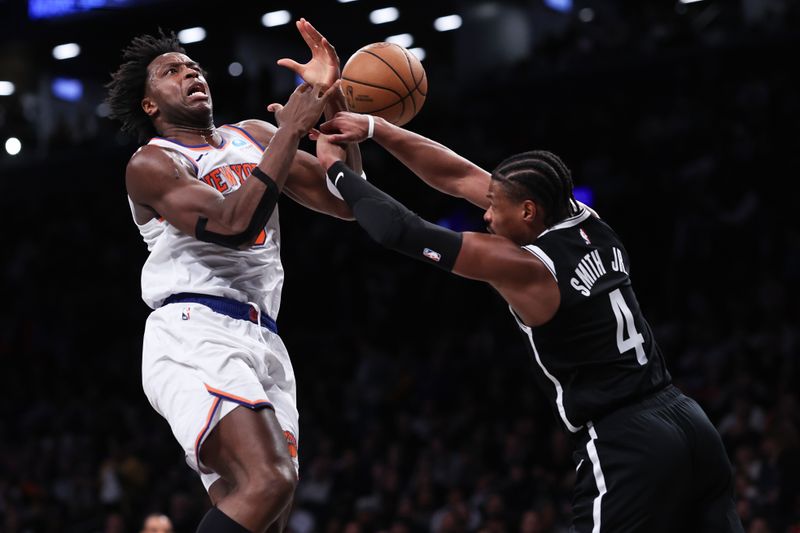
[264, 209]
[393, 225]
[378, 217]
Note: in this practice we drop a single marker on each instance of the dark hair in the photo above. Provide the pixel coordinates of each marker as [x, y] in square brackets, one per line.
[541, 176]
[126, 88]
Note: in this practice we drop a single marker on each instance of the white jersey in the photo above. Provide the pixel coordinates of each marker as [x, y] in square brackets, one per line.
[181, 263]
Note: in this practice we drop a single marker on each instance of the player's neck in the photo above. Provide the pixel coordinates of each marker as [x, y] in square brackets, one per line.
[192, 135]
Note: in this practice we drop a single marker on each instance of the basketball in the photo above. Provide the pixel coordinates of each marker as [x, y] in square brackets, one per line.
[385, 80]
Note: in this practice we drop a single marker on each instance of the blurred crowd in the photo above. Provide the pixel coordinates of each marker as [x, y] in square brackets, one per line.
[418, 411]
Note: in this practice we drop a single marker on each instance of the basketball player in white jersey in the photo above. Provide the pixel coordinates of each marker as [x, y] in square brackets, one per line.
[204, 199]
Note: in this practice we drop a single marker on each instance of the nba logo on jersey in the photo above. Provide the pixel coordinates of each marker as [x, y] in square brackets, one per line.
[185, 314]
[430, 254]
[584, 236]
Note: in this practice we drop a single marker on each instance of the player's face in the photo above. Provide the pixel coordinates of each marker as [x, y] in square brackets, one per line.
[177, 91]
[504, 216]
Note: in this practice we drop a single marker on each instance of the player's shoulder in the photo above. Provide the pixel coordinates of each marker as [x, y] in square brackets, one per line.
[539, 258]
[153, 158]
[146, 157]
[154, 164]
[261, 130]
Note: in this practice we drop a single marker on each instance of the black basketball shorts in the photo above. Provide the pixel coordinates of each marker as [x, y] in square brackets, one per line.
[655, 466]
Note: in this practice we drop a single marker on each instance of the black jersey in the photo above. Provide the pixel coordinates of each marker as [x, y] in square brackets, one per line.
[597, 353]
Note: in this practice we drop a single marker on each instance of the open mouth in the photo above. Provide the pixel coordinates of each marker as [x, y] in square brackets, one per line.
[197, 91]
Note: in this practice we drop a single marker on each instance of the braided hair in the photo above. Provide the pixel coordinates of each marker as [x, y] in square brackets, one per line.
[127, 85]
[541, 176]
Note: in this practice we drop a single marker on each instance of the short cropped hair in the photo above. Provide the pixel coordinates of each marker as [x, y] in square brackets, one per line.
[541, 176]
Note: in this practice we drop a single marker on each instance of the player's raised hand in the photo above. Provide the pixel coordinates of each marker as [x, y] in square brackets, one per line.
[304, 107]
[323, 68]
[347, 127]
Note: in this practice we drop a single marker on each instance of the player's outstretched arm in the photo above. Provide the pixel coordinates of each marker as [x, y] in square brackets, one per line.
[522, 279]
[323, 69]
[158, 180]
[434, 163]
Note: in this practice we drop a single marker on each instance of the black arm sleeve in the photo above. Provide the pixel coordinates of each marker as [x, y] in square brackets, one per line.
[260, 217]
[391, 224]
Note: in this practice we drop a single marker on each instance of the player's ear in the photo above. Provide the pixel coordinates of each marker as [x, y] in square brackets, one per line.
[149, 106]
[529, 209]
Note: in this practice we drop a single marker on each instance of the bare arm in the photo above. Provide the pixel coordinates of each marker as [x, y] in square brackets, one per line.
[306, 181]
[521, 278]
[434, 163]
[157, 179]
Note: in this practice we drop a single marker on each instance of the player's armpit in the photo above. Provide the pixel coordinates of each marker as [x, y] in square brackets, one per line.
[521, 278]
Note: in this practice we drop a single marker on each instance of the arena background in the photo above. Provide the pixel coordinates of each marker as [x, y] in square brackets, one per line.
[681, 121]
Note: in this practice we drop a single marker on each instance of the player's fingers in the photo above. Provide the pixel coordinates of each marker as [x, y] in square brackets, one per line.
[339, 124]
[314, 35]
[274, 108]
[339, 138]
[329, 49]
[328, 126]
[346, 115]
[314, 134]
[312, 30]
[307, 35]
[291, 64]
[331, 90]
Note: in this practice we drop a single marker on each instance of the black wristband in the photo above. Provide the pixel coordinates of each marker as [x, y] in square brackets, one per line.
[259, 219]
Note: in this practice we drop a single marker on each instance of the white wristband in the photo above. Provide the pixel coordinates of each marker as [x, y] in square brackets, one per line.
[371, 128]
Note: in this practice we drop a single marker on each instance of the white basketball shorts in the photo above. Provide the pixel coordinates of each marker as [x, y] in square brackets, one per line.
[198, 365]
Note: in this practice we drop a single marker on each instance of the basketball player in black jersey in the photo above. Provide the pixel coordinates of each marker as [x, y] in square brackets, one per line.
[647, 457]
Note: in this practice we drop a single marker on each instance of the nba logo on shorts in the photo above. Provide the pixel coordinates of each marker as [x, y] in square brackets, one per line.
[185, 314]
[430, 254]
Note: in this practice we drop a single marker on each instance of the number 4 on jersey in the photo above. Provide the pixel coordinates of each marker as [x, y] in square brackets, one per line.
[635, 339]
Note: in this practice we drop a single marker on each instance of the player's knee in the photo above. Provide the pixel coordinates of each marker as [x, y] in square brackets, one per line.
[272, 482]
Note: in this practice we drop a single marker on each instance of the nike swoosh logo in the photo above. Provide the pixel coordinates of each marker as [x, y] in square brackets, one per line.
[339, 175]
[579, 465]
[199, 158]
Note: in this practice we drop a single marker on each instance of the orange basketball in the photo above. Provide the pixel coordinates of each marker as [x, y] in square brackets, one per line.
[385, 80]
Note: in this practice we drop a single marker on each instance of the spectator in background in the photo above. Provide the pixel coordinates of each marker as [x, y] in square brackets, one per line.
[157, 523]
